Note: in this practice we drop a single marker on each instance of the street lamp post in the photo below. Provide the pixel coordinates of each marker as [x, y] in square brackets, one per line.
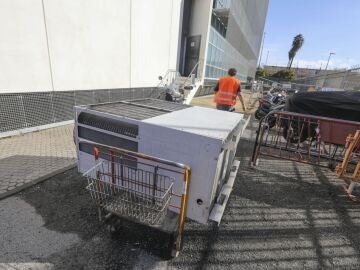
[328, 60]
[262, 47]
[267, 56]
[325, 77]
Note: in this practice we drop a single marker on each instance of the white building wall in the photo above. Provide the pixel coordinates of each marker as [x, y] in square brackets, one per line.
[93, 44]
[24, 63]
[200, 25]
[89, 43]
[154, 39]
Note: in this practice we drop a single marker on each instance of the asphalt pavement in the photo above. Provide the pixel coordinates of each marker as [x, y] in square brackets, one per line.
[281, 215]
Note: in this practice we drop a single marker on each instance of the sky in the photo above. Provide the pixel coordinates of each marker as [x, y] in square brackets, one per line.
[327, 26]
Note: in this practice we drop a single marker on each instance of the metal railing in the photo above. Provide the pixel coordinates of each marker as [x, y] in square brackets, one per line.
[193, 80]
[196, 71]
[169, 78]
[168, 84]
[174, 83]
[302, 138]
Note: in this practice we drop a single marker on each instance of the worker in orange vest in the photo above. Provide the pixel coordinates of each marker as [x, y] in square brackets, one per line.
[226, 91]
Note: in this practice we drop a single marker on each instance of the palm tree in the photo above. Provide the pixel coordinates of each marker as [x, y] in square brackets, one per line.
[296, 45]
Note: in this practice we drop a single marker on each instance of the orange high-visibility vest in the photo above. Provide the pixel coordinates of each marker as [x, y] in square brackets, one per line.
[228, 90]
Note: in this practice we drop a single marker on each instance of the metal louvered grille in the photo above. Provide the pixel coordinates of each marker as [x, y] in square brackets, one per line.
[139, 109]
[159, 104]
[128, 110]
[24, 110]
[108, 124]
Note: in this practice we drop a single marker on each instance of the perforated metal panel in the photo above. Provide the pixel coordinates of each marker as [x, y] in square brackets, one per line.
[64, 103]
[102, 96]
[84, 97]
[12, 115]
[24, 110]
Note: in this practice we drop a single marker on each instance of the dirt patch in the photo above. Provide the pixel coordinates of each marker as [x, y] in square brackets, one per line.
[207, 101]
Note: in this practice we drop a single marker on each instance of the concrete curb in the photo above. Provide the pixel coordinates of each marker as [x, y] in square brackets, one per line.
[36, 181]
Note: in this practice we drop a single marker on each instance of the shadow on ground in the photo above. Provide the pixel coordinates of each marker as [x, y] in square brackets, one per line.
[65, 207]
[280, 215]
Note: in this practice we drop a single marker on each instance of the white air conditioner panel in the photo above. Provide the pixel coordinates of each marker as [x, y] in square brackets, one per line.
[194, 136]
[199, 120]
[200, 137]
[199, 152]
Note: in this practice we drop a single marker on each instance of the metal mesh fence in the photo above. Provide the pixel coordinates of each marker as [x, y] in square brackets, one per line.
[268, 84]
[339, 80]
[24, 110]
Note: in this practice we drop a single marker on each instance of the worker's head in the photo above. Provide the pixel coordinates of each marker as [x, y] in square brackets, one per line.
[232, 72]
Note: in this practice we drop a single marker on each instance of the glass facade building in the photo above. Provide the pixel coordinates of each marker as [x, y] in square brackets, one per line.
[235, 37]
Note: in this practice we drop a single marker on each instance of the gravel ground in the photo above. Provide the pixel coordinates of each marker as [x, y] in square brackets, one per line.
[281, 215]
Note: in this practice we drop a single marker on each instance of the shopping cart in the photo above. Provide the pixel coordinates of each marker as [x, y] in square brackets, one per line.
[138, 188]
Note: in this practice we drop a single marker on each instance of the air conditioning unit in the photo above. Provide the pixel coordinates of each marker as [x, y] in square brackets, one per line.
[203, 138]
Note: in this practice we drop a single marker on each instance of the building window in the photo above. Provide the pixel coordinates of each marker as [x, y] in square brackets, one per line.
[219, 59]
[218, 25]
[221, 4]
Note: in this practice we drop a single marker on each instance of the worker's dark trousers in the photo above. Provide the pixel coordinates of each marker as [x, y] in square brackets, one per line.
[223, 107]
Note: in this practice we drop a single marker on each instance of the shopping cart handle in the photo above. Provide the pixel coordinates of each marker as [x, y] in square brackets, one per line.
[96, 153]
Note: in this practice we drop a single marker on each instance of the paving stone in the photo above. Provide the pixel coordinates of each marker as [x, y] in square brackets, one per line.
[26, 158]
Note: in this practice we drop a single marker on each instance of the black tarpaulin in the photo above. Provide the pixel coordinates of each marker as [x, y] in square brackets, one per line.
[340, 104]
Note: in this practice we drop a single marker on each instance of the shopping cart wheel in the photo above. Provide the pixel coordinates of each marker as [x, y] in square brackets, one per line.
[112, 224]
[254, 164]
[111, 228]
[175, 251]
[332, 165]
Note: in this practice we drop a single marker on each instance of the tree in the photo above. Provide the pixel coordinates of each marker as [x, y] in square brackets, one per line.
[260, 72]
[284, 75]
[296, 45]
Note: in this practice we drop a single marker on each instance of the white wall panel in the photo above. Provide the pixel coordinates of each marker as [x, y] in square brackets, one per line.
[200, 24]
[24, 62]
[89, 43]
[93, 44]
[174, 33]
[153, 32]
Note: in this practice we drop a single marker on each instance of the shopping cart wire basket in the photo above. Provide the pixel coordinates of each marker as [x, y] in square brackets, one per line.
[138, 187]
[130, 192]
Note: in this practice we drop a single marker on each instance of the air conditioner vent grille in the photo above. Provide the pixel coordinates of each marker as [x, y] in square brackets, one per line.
[109, 124]
[140, 109]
